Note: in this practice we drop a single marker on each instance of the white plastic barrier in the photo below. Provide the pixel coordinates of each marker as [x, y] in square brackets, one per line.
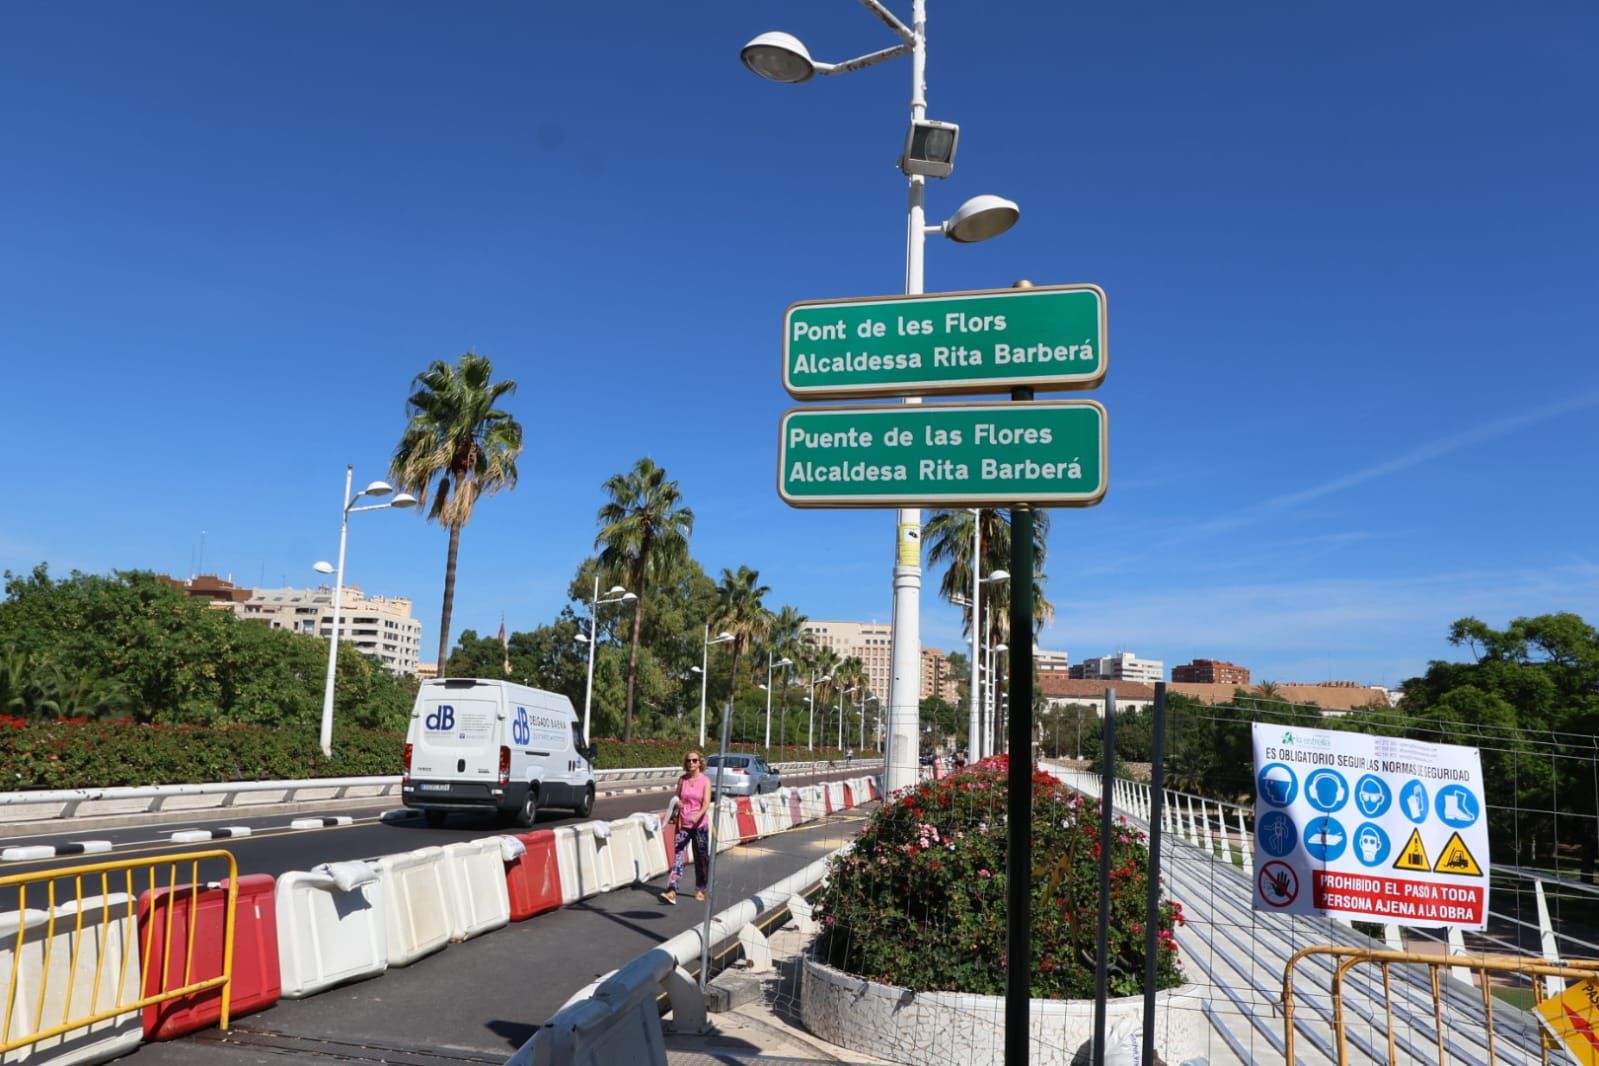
[479, 900]
[835, 792]
[653, 862]
[727, 834]
[101, 974]
[416, 904]
[771, 813]
[812, 806]
[627, 848]
[330, 927]
[584, 870]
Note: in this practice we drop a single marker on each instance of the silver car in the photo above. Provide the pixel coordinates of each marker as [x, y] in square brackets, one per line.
[742, 775]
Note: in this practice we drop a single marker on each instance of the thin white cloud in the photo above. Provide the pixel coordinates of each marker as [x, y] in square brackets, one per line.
[1485, 431]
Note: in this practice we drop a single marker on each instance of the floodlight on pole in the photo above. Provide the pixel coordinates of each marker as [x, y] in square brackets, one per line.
[399, 502]
[930, 149]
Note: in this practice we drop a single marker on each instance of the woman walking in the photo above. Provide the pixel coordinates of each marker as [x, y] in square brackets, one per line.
[693, 807]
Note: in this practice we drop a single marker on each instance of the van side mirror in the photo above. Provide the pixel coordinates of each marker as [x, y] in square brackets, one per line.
[591, 752]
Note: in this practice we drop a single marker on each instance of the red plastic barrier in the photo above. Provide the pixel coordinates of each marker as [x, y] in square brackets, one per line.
[256, 983]
[871, 786]
[669, 838]
[532, 878]
[747, 829]
[796, 814]
[849, 797]
[827, 799]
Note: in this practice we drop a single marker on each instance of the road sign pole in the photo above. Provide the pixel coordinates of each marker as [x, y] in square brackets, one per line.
[1019, 790]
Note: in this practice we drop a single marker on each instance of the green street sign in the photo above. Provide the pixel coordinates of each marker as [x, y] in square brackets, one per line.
[1050, 338]
[1049, 453]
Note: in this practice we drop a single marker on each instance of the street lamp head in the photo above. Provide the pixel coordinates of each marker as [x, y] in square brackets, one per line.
[780, 57]
[403, 500]
[980, 218]
[377, 488]
[997, 577]
[322, 566]
[723, 637]
[629, 597]
[581, 638]
[615, 590]
[695, 670]
[785, 661]
[1001, 647]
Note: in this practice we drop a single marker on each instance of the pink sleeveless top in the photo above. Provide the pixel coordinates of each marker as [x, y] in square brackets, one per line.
[692, 795]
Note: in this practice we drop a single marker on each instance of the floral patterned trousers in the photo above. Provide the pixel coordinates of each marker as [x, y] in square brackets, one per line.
[701, 839]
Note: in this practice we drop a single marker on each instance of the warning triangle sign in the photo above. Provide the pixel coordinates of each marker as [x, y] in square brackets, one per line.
[1456, 858]
[1413, 856]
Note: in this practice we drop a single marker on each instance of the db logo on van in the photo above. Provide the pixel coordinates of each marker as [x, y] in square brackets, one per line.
[442, 718]
[521, 732]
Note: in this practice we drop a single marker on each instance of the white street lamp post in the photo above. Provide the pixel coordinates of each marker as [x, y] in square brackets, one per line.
[705, 673]
[402, 500]
[810, 727]
[781, 57]
[616, 594]
[770, 666]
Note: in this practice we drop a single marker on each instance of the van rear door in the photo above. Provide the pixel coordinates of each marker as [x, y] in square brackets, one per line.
[457, 736]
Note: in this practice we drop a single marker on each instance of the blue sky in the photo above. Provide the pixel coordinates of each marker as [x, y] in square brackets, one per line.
[1350, 255]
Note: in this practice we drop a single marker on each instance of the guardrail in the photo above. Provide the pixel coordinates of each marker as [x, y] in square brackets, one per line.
[618, 1012]
[66, 803]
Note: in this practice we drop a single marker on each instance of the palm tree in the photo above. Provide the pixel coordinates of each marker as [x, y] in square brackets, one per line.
[644, 531]
[458, 446]
[787, 639]
[739, 611]
[949, 538]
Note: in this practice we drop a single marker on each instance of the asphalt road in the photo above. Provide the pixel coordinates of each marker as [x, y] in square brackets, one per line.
[274, 847]
[478, 1002]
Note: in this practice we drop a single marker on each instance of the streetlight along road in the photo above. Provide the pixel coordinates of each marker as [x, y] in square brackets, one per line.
[376, 489]
[617, 594]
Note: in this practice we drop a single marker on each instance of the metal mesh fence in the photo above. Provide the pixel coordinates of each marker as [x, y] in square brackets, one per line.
[918, 903]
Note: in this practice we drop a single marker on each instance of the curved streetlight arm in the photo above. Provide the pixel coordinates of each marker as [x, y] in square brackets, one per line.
[891, 20]
[871, 59]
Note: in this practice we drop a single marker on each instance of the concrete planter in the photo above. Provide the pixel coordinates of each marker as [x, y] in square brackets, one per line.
[936, 1028]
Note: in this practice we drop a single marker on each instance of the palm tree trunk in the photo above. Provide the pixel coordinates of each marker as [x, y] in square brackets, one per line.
[449, 597]
[632, 663]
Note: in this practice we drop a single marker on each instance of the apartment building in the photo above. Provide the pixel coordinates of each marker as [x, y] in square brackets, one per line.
[1122, 666]
[1048, 663]
[870, 642]
[1210, 672]
[381, 626]
[937, 679]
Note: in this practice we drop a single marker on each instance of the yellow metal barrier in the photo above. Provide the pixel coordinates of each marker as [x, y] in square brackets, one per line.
[23, 1009]
[1349, 957]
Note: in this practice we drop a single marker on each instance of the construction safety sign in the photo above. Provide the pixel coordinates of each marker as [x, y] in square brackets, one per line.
[1369, 828]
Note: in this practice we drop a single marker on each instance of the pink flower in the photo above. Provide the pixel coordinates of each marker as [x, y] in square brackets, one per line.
[984, 873]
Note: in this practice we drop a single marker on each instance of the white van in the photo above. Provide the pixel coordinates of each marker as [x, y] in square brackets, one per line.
[492, 746]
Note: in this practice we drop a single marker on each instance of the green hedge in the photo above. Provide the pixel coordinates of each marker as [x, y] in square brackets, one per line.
[75, 753]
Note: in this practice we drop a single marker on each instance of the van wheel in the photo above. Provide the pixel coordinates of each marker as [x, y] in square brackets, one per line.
[435, 818]
[586, 808]
[529, 813]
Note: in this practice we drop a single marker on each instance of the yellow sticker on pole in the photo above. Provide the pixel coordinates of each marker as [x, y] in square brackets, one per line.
[910, 544]
[1573, 1016]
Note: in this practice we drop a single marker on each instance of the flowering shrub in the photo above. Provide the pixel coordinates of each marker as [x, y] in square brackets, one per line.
[919, 902]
